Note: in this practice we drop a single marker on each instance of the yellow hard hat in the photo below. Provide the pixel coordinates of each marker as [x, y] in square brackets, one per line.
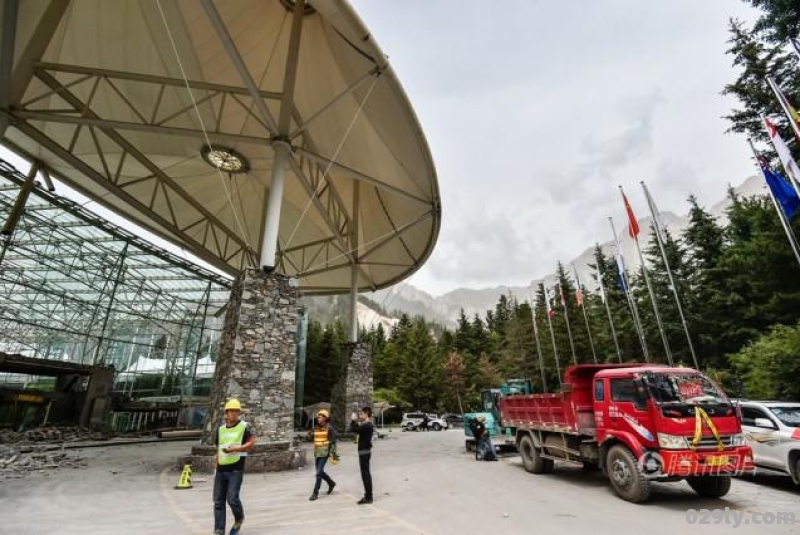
[233, 405]
[323, 412]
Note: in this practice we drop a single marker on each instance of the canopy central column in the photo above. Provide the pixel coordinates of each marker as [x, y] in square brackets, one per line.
[273, 216]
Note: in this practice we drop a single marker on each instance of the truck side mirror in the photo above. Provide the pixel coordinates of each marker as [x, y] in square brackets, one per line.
[764, 423]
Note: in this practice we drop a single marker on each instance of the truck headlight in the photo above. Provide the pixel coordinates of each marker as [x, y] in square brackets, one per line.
[672, 442]
[737, 440]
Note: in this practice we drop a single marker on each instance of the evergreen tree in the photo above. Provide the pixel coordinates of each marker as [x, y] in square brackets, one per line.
[759, 59]
[779, 21]
[421, 371]
[706, 294]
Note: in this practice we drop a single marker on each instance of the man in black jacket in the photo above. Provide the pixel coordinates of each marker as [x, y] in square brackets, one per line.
[361, 424]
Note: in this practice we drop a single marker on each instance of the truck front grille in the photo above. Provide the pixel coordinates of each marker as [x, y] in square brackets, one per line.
[709, 443]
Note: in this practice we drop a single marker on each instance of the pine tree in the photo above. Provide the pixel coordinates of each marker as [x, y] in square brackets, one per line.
[759, 59]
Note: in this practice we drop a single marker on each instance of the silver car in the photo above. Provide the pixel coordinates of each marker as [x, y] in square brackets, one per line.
[772, 430]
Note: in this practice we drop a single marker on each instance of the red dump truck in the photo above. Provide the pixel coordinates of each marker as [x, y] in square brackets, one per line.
[638, 423]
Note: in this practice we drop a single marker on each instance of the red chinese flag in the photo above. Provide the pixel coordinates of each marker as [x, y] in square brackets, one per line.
[633, 225]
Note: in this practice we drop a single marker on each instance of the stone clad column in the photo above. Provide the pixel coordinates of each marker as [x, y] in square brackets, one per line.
[257, 362]
[354, 389]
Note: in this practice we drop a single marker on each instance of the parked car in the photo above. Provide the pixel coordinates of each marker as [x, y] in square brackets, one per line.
[772, 430]
[453, 419]
[412, 420]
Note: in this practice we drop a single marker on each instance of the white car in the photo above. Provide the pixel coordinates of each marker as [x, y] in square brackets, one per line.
[772, 430]
[412, 420]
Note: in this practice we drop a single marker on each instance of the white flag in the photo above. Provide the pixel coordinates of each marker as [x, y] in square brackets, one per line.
[796, 46]
[783, 151]
[600, 282]
[658, 223]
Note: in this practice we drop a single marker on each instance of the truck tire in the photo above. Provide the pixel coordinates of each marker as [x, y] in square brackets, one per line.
[532, 458]
[625, 476]
[710, 486]
[437, 427]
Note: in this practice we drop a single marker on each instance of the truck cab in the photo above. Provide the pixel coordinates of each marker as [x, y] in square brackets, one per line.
[636, 422]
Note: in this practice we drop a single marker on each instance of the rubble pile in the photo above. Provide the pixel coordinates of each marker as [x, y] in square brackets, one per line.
[50, 434]
[18, 461]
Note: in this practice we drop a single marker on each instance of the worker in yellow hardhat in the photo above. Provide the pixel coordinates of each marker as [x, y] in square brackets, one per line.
[234, 440]
[324, 447]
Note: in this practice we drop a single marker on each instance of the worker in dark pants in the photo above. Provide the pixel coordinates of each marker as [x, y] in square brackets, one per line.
[361, 424]
[234, 440]
[324, 447]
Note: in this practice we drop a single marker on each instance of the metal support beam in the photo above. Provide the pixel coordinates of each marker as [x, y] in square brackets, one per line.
[15, 214]
[120, 270]
[355, 269]
[37, 44]
[16, 211]
[97, 122]
[281, 147]
[9, 26]
[359, 176]
[238, 62]
[269, 245]
[375, 71]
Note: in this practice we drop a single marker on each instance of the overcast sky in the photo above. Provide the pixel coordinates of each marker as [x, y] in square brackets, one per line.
[536, 110]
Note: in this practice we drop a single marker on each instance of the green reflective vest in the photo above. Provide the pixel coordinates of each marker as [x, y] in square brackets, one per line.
[230, 436]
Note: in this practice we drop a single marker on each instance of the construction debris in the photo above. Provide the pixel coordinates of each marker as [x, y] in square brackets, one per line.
[17, 462]
[51, 434]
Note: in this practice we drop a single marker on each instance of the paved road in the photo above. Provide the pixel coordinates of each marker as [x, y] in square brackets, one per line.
[424, 484]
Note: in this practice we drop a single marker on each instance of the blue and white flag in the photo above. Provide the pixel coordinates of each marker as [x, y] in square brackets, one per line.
[781, 190]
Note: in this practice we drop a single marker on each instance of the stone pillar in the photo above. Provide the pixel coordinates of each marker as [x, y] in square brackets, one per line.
[257, 360]
[96, 404]
[354, 389]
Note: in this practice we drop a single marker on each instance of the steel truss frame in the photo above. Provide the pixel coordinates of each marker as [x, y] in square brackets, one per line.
[219, 245]
[76, 287]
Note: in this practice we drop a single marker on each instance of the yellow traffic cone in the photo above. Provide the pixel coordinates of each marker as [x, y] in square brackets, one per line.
[185, 481]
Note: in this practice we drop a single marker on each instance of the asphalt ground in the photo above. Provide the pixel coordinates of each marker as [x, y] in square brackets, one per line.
[425, 483]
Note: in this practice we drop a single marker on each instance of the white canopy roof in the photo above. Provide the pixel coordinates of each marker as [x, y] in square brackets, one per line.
[121, 98]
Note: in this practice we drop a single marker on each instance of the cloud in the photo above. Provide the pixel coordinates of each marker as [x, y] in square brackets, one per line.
[600, 156]
[484, 248]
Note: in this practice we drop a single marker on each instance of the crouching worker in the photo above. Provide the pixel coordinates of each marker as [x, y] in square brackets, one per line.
[234, 440]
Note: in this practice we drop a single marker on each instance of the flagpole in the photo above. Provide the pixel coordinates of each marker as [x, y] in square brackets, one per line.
[637, 321]
[608, 311]
[657, 230]
[780, 97]
[536, 337]
[566, 320]
[652, 295]
[552, 333]
[585, 317]
[787, 228]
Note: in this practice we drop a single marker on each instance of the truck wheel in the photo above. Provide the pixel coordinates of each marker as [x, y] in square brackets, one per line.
[532, 459]
[409, 427]
[437, 427]
[626, 478]
[710, 486]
